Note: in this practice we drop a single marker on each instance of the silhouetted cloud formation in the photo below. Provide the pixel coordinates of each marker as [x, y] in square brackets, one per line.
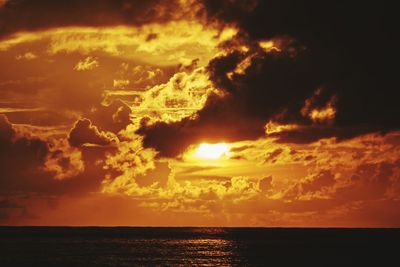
[26, 15]
[20, 159]
[337, 58]
[113, 117]
[86, 133]
[99, 101]
[33, 165]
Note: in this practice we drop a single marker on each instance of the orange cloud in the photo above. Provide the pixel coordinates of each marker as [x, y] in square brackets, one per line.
[33, 165]
[183, 95]
[88, 63]
[318, 113]
[27, 56]
[177, 42]
[84, 133]
[64, 161]
[287, 104]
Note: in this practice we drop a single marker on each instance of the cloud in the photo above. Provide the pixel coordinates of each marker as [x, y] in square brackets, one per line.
[57, 94]
[271, 157]
[355, 170]
[318, 181]
[371, 181]
[319, 68]
[244, 103]
[178, 42]
[350, 181]
[158, 175]
[113, 117]
[84, 132]
[6, 130]
[303, 134]
[88, 63]
[265, 184]
[20, 15]
[31, 164]
[231, 11]
[180, 97]
[27, 56]
[293, 88]
[120, 83]
[312, 187]
[34, 168]
[20, 159]
[130, 162]
[64, 161]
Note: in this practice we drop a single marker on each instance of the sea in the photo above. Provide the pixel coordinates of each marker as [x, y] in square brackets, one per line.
[197, 246]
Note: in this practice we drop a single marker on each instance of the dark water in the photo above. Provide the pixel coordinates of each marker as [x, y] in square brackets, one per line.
[124, 246]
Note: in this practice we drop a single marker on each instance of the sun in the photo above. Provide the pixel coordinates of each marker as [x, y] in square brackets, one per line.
[212, 151]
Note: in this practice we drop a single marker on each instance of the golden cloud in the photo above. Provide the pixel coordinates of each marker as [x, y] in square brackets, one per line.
[177, 42]
[27, 56]
[183, 95]
[88, 63]
[64, 161]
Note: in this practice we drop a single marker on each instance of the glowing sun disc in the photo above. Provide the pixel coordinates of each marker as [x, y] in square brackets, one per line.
[212, 151]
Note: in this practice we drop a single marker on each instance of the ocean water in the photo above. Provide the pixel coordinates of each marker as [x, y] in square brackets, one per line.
[149, 246]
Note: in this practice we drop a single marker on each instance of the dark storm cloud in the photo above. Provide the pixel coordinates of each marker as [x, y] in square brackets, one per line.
[347, 50]
[352, 44]
[113, 117]
[272, 157]
[230, 10]
[18, 151]
[84, 132]
[20, 159]
[23, 170]
[6, 130]
[27, 15]
[310, 133]
[276, 82]
[371, 181]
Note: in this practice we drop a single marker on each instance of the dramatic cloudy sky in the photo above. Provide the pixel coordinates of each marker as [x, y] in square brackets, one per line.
[199, 112]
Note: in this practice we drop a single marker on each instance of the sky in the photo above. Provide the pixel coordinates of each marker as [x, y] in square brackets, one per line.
[269, 113]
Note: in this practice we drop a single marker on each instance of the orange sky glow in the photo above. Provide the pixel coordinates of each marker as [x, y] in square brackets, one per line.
[170, 113]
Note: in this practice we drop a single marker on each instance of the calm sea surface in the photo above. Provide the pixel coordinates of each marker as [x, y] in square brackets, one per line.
[147, 246]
